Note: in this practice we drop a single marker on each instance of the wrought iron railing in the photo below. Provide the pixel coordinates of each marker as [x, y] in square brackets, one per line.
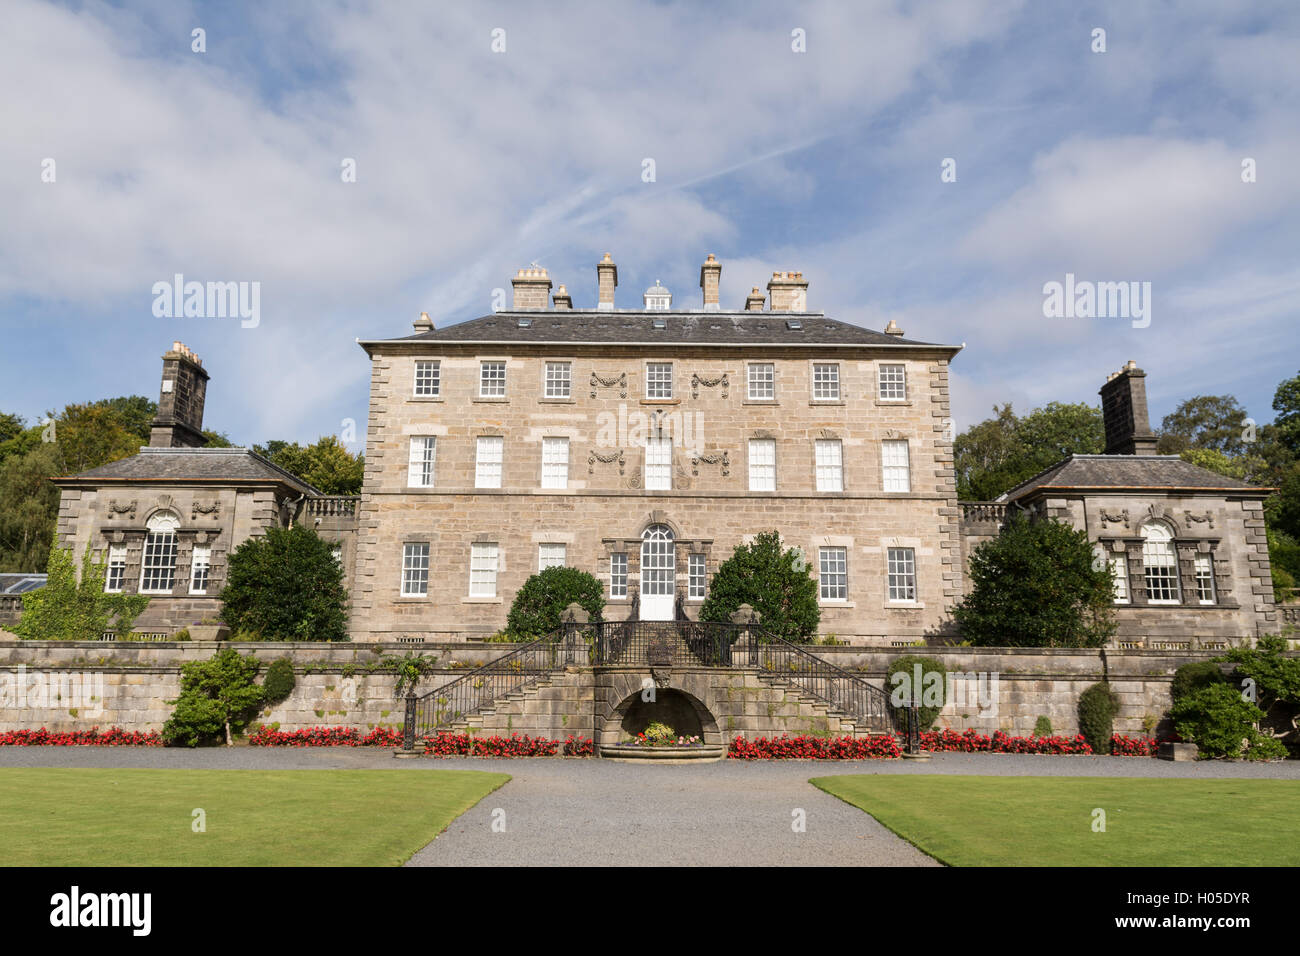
[442, 707]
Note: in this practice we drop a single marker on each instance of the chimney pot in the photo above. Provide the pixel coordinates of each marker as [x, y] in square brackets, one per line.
[754, 301]
[562, 298]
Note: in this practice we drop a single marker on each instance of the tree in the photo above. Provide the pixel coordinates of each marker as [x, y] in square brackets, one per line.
[326, 465]
[93, 435]
[1037, 584]
[29, 507]
[539, 603]
[773, 581]
[68, 609]
[1216, 422]
[286, 586]
[217, 695]
[998, 453]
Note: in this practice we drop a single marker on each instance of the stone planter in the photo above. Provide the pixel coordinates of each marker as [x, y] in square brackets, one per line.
[705, 753]
[1177, 752]
[209, 632]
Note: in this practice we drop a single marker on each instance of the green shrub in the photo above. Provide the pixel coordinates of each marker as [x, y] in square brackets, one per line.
[773, 581]
[75, 608]
[279, 681]
[1221, 723]
[1192, 677]
[287, 586]
[1042, 727]
[933, 691]
[216, 695]
[1097, 708]
[182, 635]
[1037, 584]
[539, 603]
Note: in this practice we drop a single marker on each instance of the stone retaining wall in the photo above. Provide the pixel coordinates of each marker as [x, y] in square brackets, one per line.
[132, 682]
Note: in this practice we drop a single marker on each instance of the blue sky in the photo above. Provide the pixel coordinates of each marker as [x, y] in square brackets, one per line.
[225, 166]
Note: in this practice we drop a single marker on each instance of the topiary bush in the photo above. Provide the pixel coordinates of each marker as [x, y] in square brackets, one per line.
[1098, 706]
[900, 680]
[539, 603]
[776, 582]
[1192, 677]
[1043, 727]
[287, 586]
[279, 681]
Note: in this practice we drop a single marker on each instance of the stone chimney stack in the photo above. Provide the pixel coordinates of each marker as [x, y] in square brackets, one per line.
[754, 301]
[710, 278]
[789, 292]
[893, 329]
[532, 288]
[1124, 411]
[563, 301]
[179, 423]
[606, 283]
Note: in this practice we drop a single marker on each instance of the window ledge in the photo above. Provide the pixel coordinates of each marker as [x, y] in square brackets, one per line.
[904, 605]
[425, 398]
[558, 401]
[412, 599]
[893, 401]
[826, 401]
[844, 604]
[661, 401]
[480, 600]
[491, 400]
[761, 401]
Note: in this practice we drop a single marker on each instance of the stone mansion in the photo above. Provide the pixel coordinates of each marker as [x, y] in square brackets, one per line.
[643, 445]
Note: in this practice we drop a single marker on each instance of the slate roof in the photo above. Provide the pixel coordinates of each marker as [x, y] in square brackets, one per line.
[192, 464]
[636, 327]
[1127, 471]
[21, 583]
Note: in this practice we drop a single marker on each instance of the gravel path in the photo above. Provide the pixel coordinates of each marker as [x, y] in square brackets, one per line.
[592, 812]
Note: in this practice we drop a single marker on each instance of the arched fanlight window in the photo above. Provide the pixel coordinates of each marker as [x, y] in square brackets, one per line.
[658, 562]
[158, 565]
[1160, 564]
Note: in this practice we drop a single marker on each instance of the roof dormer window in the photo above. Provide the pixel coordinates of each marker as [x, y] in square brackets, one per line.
[657, 298]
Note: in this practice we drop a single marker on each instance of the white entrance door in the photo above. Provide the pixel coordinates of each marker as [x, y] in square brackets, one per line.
[658, 573]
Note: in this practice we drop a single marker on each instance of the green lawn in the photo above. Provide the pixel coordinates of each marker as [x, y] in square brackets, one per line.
[58, 817]
[1048, 821]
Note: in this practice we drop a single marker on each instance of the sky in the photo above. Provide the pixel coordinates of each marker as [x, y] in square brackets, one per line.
[932, 163]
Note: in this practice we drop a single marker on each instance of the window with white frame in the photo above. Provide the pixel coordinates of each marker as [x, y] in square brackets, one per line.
[891, 381]
[559, 380]
[487, 462]
[762, 381]
[826, 382]
[200, 566]
[415, 569]
[419, 468]
[618, 574]
[1119, 575]
[895, 467]
[829, 453]
[158, 566]
[659, 464]
[492, 380]
[551, 555]
[428, 379]
[483, 562]
[762, 464]
[555, 462]
[695, 579]
[1160, 564]
[833, 573]
[901, 567]
[1204, 567]
[659, 380]
[116, 576]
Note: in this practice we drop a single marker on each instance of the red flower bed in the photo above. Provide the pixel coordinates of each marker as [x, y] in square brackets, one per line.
[325, 737]
[971, 741]
[470, 745]
[113, 737]
[1121, 746]
[814, 748]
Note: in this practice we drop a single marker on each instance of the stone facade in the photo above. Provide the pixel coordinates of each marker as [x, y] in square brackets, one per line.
[604, 508]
